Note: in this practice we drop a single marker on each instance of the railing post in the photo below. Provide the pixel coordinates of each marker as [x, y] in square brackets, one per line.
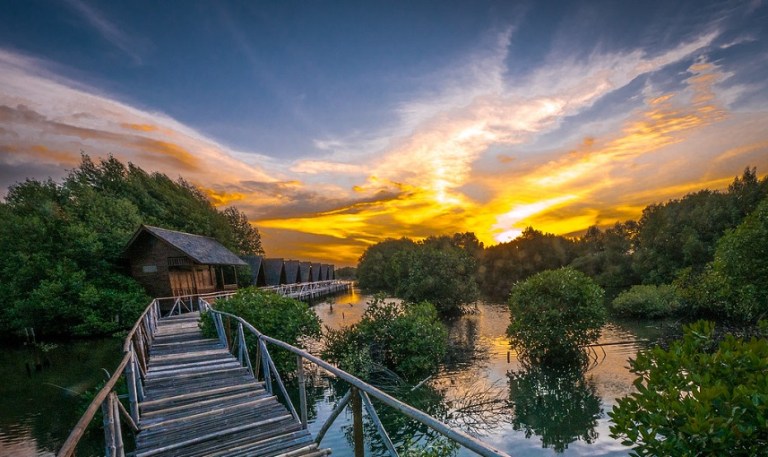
[119, 449]
[130, 379]
[265, 366]
[377, 422]
[109, 424]
[302, 391]
[357, 423]
[245, 352]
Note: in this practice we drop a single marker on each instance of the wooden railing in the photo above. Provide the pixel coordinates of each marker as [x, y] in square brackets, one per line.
[315, 289]
[133, 368]
[359, 394]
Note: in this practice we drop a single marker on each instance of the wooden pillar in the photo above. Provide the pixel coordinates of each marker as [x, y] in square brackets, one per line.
[195, 290]
[357, 423]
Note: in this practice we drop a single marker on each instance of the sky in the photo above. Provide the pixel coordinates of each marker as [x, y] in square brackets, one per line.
[336, 125]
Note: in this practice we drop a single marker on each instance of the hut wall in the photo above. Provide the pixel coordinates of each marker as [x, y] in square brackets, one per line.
[149, 264]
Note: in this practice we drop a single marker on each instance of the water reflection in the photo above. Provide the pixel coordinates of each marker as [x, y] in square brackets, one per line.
[560, 406]
[482, 388]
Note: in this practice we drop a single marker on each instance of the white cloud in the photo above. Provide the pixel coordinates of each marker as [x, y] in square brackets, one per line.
[46, 112]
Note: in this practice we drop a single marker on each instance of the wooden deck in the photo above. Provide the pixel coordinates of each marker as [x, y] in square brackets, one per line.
[199, 401]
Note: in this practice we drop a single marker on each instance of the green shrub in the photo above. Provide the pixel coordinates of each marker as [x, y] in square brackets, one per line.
[554, 314]
[273, 315]
[741, 260]
[698, 398]
[649, 302]
[407, 339]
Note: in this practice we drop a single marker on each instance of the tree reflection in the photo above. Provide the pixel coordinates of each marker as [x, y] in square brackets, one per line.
[560, 406]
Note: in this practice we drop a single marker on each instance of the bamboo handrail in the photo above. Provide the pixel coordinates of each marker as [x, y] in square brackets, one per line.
[68, 448]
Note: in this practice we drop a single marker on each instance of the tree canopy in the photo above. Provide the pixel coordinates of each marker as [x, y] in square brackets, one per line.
[441, 270]
[555, 314]
[61, 272]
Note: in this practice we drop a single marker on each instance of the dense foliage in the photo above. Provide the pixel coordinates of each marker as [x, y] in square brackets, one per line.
[555, 314]
[441, 270]
[698, 398]
[61, 271]
[741, 260]
[407, 339]
[647, 302]
[280, 317]
[347, 273]
[684, 233]
[505, 264]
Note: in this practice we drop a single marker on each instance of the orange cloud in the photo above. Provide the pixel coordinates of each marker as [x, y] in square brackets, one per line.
[140, 127]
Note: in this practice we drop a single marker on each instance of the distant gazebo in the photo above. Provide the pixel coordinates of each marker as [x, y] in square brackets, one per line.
[171, 263]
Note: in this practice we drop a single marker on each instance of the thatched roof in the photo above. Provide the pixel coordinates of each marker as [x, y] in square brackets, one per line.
[304, 271]
[256, 262]
[201, 249]
[292, 271]
[274, 271]
[315, 272]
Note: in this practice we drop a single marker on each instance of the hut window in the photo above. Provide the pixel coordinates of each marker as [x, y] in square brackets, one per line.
[178, 261]
[149, 269]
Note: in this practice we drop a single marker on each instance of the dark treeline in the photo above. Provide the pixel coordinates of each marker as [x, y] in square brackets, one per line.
[60, 269]
[696, 246]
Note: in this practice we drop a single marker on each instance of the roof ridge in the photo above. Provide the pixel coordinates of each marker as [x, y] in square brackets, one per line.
[178, 231]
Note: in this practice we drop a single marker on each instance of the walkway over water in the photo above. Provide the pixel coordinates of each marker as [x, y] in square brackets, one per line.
[194, 396]
[200, 401]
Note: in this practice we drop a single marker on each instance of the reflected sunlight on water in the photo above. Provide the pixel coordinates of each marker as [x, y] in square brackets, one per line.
[483, 389]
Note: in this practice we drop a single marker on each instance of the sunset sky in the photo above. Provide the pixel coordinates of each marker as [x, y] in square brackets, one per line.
[334, 125]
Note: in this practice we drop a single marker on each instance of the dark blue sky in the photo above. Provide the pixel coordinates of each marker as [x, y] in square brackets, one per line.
[298, 110]
[269, 76]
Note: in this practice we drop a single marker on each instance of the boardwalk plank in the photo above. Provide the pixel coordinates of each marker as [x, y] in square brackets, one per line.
[199, 402]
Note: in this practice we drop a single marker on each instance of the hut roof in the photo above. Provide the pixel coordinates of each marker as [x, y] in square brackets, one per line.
[274, 271]
[255, 262]
[292, 271]
[202, 249]
[315, 272]
[304, 271]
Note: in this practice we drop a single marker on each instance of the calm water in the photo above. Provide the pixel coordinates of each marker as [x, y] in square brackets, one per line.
[39, 408]
[482, 389]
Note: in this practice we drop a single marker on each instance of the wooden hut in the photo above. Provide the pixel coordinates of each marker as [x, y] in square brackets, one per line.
[304, 271]
[315, 272]
[170, 263]
[292, 275]
[256, 262]
[274, 272]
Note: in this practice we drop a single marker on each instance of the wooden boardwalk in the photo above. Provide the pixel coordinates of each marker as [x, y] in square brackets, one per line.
[199, 401]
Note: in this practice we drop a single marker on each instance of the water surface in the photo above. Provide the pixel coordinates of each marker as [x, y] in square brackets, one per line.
[483, 389]
[39, 406]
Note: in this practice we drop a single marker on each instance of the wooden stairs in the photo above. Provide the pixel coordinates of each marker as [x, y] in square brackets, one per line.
[199, 401]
